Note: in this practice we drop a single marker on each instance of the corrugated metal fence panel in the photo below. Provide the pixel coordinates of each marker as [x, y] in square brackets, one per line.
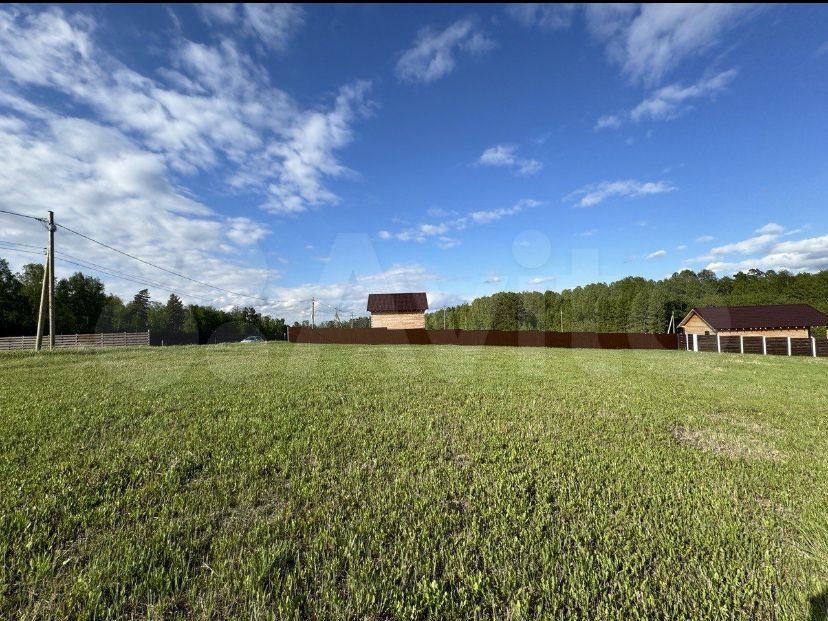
[777, 345]
[708, 342]
[731, 344]
[116, 339]
[513, 338]
[753, 344]
[801, 347]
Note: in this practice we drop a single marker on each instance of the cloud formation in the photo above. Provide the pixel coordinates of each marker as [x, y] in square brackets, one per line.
[770, 252]
[434, 53]
[670, 102]
[504, 156]
[594, 194]
[439, 232]
[273, 25]
[542, 15]
[649, 40]
[213, 104]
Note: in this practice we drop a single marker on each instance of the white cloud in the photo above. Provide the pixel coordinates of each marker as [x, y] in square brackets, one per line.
[493, 279]
[704, 238]
[99, 182]
[612, 121]
[539, 280]
[657, 254]
[649, 40]
[542, 15]
[438, 231]
[213, 105]
[245, 231]
[769, 252]
[504, 156]
[670, 102]
[434, 53]
[767, 235]
[274, 25]
[804, 255]
[594, 194]
[771, 228]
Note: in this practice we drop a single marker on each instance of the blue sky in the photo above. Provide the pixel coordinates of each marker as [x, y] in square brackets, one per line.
[286, 152]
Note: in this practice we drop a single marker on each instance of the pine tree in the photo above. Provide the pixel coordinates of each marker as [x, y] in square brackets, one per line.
[176, 314]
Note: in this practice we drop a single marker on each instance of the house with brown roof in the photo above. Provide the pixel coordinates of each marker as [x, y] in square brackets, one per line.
[794, 320]
[397, 311]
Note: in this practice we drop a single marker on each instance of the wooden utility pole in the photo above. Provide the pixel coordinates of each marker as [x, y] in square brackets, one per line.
[352, 319]
[313, 312]
[561, 320]
[41, 314]
[51, 261]
[444, 318]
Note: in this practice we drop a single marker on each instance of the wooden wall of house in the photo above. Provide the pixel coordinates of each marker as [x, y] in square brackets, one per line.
[695, 325]
[792, 332]
[398, 321]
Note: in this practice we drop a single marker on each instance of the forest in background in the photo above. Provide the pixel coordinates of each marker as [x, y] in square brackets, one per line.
[632, 304]
[83, 306]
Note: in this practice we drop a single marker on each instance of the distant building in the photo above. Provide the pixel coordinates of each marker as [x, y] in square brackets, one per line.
[397, 311]
[795, 320]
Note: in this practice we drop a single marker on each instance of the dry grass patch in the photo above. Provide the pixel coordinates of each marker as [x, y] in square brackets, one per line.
[727, 444]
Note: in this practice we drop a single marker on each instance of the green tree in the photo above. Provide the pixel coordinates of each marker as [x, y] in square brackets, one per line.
[176, 314]
[15, 317]
[79, 302]
[137, 311]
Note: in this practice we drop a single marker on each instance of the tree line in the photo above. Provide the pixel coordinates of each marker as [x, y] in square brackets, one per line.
[83, 306]
[632, 304]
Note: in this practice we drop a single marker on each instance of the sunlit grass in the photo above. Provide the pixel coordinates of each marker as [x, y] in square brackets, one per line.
[307, 481]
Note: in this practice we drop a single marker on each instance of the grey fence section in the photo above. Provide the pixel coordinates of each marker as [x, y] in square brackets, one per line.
[107, 339]
[763, 345]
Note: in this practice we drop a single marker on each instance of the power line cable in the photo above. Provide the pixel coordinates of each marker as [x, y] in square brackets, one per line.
[164, 269]
[179, 275]
[22, 215]
[141, 280]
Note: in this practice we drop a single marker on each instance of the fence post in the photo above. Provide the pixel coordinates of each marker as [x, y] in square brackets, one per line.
[813, 346]
[741, 343]
[718, 343]
[764, 345]
[789, 346]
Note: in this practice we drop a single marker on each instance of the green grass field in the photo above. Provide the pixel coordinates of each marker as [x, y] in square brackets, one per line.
[332, 482]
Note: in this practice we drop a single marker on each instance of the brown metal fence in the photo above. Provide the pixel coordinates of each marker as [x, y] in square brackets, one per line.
[769, 345]
[108, 339]
[516, 338]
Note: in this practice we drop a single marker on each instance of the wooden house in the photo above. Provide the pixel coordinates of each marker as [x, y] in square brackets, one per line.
[794, 320]
[397, 311]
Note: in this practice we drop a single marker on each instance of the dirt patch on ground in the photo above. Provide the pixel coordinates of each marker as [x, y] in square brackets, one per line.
[727, 444]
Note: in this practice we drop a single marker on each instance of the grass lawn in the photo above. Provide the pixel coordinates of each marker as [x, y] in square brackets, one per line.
[332, 482]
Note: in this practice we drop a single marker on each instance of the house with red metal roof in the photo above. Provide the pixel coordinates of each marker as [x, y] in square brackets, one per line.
[794, 320]
[397, 311]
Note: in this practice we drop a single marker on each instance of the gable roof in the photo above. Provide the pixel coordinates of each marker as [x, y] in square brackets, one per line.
[397, 302]
[767, 316]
